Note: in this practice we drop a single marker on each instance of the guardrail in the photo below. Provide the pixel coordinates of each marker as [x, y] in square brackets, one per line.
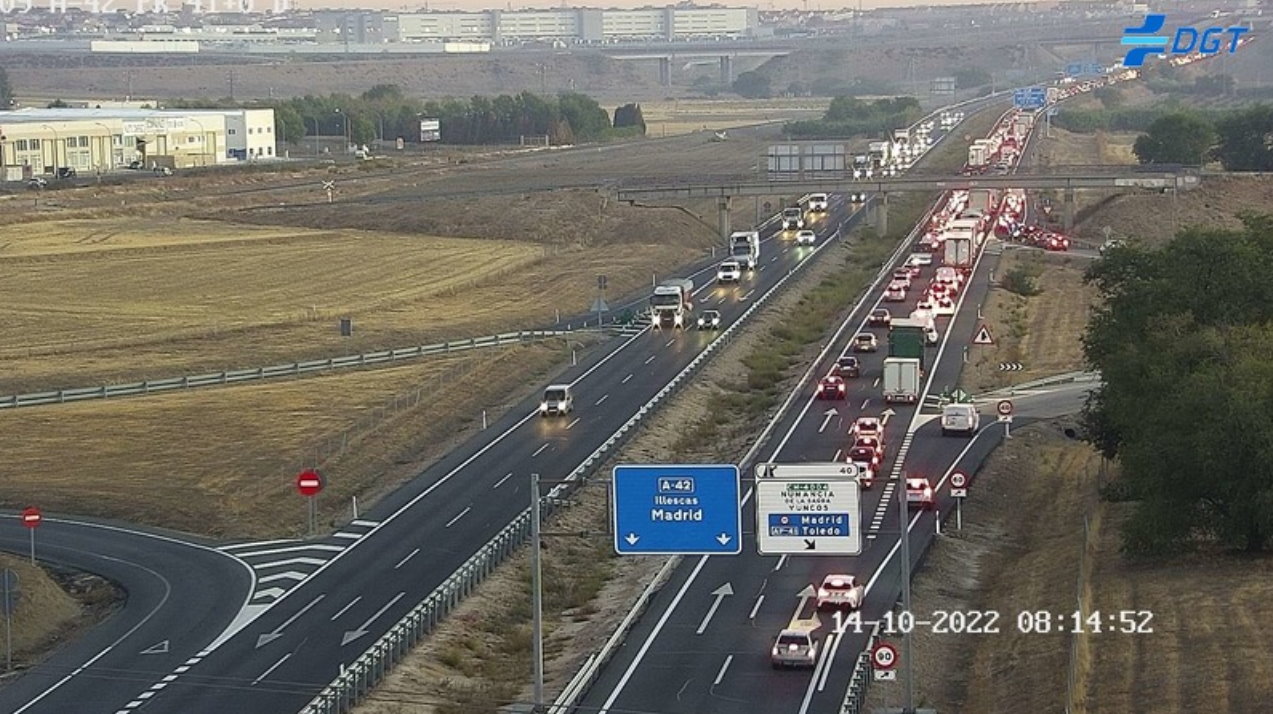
[860, 680]
[356, 680]
[78, 394]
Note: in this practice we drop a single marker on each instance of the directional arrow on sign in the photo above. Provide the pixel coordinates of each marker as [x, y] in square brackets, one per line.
[828, 415]
[159, 648]
[886, 415]
[810, 544]
[1011, 366]
[361, 630]
[721, 593]
[277, 632]
[632, 538]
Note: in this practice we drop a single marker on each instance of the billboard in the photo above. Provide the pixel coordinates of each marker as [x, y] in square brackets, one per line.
[430, 130]
[151, 126]
[813, 160]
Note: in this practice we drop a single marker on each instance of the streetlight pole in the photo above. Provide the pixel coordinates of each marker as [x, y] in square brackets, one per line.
[344, 130]
[108, 151]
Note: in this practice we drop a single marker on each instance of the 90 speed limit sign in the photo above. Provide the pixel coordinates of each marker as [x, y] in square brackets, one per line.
[884, 656]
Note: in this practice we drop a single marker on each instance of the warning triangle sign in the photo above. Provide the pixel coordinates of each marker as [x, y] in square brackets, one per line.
[983, 337]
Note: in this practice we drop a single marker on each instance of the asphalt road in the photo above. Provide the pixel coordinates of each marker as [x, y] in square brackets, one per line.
[356, 584]
[180, 594]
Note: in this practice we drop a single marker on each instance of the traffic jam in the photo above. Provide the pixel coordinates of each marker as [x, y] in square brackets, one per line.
[903, 323]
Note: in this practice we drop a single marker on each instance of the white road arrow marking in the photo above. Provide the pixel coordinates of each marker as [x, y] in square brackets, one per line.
[278, 631]
[886, 415]
[804, 595]
[721, 593]
[827, 416]
[352, 635]
[632, 538]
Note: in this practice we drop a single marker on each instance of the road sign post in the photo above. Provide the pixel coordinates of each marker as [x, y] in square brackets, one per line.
[9, 595]
[309, 483]
[808, 509]
[1005, 415]
[31, 518]
[959, 491]
[671, 509]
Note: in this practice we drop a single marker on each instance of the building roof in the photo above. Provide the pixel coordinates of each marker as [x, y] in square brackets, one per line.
[31, 115]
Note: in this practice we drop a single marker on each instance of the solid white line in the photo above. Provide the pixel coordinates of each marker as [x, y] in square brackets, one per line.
[345, 609]
[782, 560]
[824, 663]
[289, 575]
[540, 450]
[572, 424]
[289, 561]
[822, 683]
[658, 627]
[453, 520]
[625, 379]
[417, 550]
[266, 673]
[500, 482]
[756, 608]
[721, 674]
[650, 359]
[602, 399]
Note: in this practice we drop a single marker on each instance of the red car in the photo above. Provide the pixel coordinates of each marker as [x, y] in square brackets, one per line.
[1055, 242]
[832, 387]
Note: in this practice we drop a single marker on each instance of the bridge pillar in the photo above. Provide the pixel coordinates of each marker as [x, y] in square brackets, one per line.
[1067, 215]
[880, 217]
[726, 70]
[722, 218]
[665, 71]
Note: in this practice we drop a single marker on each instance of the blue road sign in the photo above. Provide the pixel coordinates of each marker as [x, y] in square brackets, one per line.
[673, 509]
[1030, 97]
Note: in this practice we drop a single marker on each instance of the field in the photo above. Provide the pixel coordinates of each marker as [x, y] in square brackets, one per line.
[1154, 218]
[1023, 548]
[220, 461]
[684, 116]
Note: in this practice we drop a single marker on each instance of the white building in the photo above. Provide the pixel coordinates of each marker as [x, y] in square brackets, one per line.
[40, 141]
[589, 25]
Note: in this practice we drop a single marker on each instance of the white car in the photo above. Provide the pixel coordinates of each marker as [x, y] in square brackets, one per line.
[896, 292]
[919, 493]
[806, 237]
[559, 400]
[840, 591]
[944, 307]
[866, 426]
[794, 648]
[960, 419]
[730, 271]
[926, 304]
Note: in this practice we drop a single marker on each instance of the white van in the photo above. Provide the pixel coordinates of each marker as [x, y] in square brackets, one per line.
[559, 400]
[959, 419]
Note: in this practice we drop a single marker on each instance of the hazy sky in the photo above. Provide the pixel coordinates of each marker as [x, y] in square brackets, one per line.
[495, 4]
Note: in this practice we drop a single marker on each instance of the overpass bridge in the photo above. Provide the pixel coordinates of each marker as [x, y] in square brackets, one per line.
[724, 189]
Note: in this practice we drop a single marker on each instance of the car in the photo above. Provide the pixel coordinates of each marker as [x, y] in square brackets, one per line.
[37, 182]
[914, 271]
[866, 426]
[559, 400]
[937, 290]
[709, 320]
[919, 493]
[896, 292]
[874, 442]
[865, 342]
[864, 457]
[926, 304]
[880, 317]
[856, 197]
[840, 591]
[1110, 245]
[944, 306]
[806, 237]
[1055, 242]
[960, 419]
[794, 648]
[848, 366]
[903, 275]
[729, 271]
[832, 387]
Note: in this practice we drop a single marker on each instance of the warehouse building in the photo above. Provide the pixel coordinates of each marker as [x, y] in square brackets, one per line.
[35, 142]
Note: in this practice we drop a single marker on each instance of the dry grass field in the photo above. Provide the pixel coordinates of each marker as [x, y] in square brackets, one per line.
[44, 609]
[684, 116]
[221, 461]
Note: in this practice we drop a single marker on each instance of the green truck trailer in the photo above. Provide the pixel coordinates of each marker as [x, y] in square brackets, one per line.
[906, 339]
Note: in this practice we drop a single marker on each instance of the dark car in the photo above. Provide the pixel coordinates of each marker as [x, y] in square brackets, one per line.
[709, 320]
[832, 387]
[880, 317]
[848, 366]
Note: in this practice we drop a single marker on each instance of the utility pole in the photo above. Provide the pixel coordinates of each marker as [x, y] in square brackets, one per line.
[908, 704]
[537, 597]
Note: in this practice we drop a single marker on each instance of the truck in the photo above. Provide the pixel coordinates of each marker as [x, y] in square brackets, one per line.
[906, 340]
[901, 141]
[957, 251]
[978, 155]
[672, 303]
[902, 376]
[792, 218]
[983, 200]
[744, 246]
[861, 166]
[819, 202]
[879, 153]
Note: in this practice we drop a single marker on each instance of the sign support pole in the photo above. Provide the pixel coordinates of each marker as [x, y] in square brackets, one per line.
[537, 606]
[33, 546]
[908, 704]
[959, 514]
[1007, 430]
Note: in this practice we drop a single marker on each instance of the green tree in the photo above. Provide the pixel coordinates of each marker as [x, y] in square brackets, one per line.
[1183, 340]
[362, 130]
[291, 128]
[753, 85]
[971, 77]
[383, 93]
[1176, 139]
[1246, 139]
[629, 115]
[6, 90]
[588, 121]
[57, 104]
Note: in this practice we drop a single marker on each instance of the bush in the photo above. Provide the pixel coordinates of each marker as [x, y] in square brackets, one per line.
[1022, 280]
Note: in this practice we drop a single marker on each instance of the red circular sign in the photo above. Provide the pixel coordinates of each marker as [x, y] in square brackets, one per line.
[1005, 407]
[31, 517]
[309, 482]
[884, 656]
[958, 480]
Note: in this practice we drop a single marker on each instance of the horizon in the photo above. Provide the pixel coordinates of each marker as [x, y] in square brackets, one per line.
[479, 5]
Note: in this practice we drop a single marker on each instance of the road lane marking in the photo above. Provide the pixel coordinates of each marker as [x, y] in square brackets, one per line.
[824, 663]
[572, 424]
[255, 544]
[625, 379]
[345, 609]
[294, 549]
[650, 359]
[417, 550]
[864, 403]
[500, 482]
[837, 455]
[275, 666]
[721, 674]
[782, 560]
[822, 683]
[453, 520]
[756, 608]
[602, 399]
[669, 342]
[876, 384]
[540, 450]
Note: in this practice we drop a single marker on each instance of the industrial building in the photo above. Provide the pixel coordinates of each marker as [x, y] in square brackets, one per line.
[36, 142]
[567, 25]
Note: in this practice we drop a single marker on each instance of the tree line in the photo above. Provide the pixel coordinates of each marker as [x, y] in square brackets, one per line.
[1183, 339]
[1239, 139]
[383, 111]
[851, 116]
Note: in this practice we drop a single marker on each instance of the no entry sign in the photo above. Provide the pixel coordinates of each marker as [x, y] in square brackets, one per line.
[309, 482]
[31, 517]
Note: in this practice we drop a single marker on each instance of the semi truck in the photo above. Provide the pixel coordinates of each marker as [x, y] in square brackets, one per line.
[957, 251]
[902, 377]
[981, 199]
[906, 339]
[861, 166]
[744, 246]
[879, 153]
[672, 303]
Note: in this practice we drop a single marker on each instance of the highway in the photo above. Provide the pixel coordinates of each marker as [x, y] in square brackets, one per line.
[320, 603]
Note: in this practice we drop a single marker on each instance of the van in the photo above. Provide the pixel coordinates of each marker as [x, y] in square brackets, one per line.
[959, 419]
[559, 400]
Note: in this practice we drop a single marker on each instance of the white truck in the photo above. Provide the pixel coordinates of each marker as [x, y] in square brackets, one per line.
[792, 218]
[819, 203]
[957, 251]
[880, 154]
[862, 166]
[672, 303]
[901, 380]
[744, 246]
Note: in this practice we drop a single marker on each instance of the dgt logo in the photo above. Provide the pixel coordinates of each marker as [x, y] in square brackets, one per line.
[1146, 42]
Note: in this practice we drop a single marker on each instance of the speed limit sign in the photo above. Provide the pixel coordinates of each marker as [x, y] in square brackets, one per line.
[958, 485]
[884, 656]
